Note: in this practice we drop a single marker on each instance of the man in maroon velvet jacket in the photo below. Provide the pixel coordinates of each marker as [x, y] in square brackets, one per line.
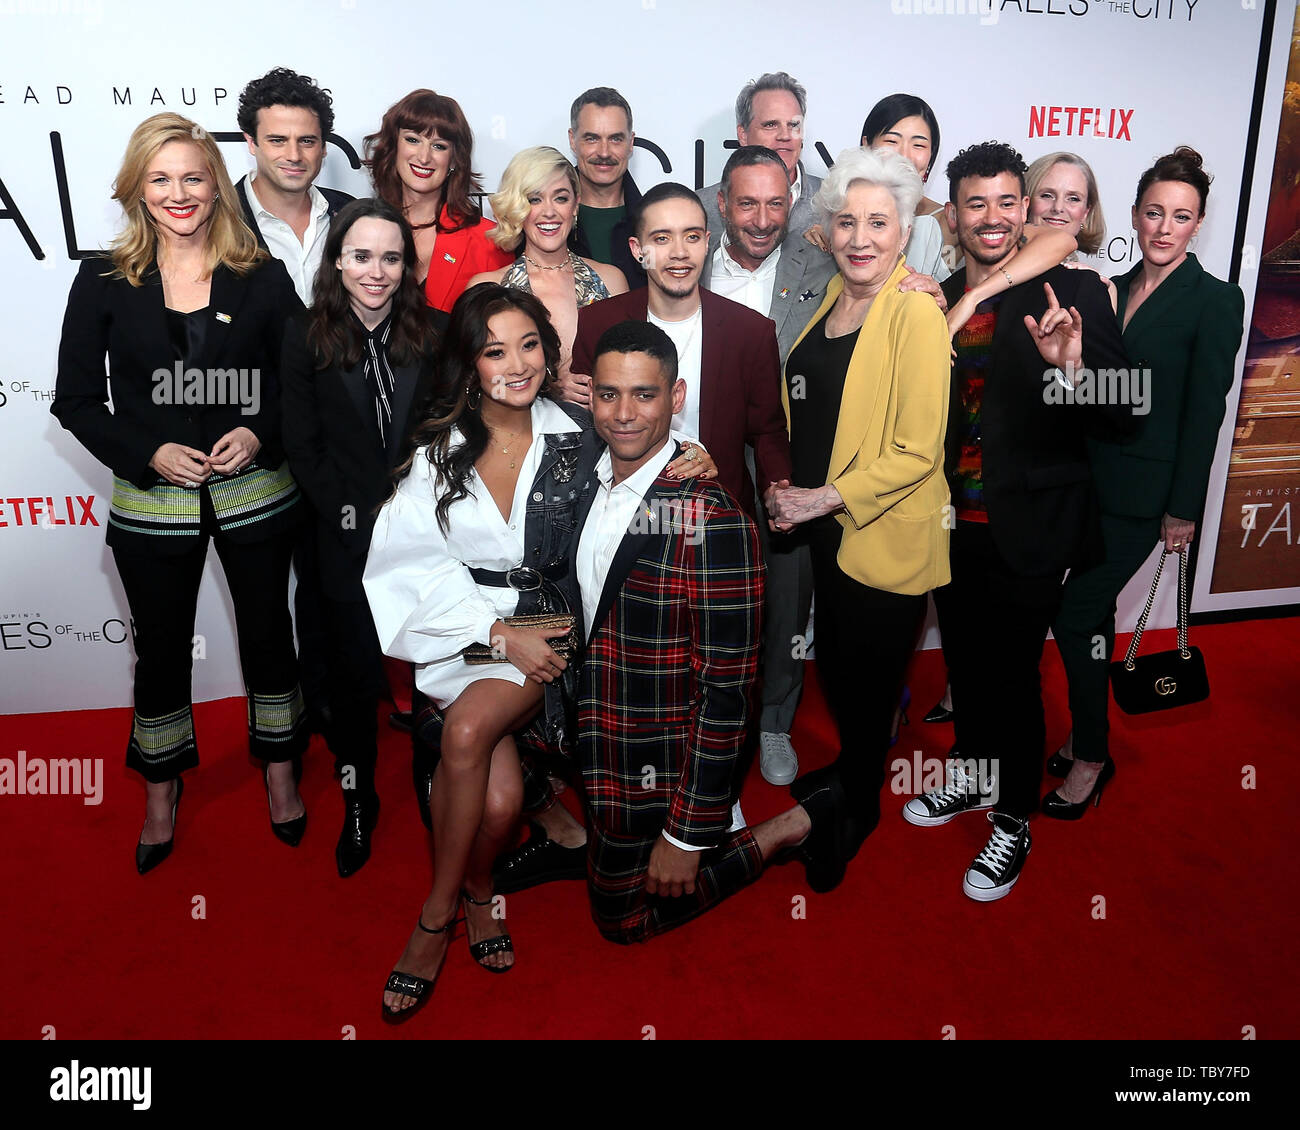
[727, 353]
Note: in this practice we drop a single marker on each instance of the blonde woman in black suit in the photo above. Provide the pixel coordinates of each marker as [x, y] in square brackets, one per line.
[190, 314]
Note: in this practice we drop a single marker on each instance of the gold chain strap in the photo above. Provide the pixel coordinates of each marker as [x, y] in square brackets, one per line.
[1183, 651]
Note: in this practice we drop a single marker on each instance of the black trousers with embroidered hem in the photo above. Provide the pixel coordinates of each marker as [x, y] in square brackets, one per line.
[162, 591]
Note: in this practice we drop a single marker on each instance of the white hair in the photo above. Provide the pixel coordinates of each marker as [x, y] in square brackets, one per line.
[883, 167]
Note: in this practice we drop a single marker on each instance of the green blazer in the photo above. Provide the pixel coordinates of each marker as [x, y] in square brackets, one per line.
[1187, 334]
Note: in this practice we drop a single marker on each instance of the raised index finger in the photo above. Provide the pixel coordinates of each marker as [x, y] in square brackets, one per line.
[1052, 304]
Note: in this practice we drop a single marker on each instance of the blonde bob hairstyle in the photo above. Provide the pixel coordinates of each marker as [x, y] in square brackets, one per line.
[229, 241]
[529, 171]
[1094, 223]
[884, 167]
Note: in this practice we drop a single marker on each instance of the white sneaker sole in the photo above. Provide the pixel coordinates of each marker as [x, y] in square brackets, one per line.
[934, 821]
[991, 894]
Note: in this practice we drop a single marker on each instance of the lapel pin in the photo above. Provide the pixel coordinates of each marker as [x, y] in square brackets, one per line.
[449, 257]
[223, 318]
[785, 292]
[807, 294]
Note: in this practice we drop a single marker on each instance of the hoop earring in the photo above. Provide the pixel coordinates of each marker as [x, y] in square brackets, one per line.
[474, 397]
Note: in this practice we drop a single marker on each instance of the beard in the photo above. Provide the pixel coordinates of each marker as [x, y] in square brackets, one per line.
[969, 238]
[672, 288]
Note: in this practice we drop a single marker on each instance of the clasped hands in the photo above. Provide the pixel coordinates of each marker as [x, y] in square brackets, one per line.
[185, 466]
[789, 506]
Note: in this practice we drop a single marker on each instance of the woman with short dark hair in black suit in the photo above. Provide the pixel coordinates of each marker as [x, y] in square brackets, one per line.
[191, 316]
[356, 368]
[1182, 328]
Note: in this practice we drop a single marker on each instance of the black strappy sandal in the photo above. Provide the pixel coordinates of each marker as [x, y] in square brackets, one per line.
[486, 948]
[412, 986]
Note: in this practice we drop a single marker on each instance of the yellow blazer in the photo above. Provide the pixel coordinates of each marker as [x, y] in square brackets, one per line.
[887, 458]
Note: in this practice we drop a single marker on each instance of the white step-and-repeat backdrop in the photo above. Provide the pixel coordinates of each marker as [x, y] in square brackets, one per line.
[1118, 81]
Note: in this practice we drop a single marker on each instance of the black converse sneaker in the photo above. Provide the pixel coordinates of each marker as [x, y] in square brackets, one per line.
[960, 794]
[996, 869]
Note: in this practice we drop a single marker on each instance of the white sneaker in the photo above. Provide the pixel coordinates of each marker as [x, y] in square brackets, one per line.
[776, 759]
[961, 794]
[995, 870]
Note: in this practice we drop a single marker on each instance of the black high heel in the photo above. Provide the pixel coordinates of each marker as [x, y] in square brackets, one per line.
[287, 831]
[148, 856]
[409, 985]
[938, 712]
[488, 946]
[359, 820]
[1060, 809]
[1058, 765]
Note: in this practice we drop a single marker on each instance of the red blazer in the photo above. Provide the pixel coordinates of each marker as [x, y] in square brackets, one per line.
[740, 384]
[457, 257]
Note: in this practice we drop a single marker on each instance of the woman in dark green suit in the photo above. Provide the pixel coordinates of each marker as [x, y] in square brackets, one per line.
[1182, 328]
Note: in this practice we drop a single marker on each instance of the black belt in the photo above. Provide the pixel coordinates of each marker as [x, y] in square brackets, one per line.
[521, 578]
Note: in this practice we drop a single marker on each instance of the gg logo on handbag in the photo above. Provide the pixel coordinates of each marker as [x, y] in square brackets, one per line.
[1165, 679]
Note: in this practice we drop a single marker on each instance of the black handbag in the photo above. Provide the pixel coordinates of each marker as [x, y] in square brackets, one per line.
[1164, 679]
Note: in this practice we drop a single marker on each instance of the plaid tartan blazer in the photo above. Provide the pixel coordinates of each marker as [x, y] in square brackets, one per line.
[669, 672]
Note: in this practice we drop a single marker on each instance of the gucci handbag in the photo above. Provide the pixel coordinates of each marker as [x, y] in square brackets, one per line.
[1163, 679]
[563, 646]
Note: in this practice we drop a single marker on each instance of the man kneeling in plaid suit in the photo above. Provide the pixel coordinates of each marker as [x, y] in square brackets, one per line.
[672, 594]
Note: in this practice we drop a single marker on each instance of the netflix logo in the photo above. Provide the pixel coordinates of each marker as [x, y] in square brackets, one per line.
[66, 510]
[1079, 121]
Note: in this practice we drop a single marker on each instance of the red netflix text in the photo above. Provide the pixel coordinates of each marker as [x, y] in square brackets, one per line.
[66, 510]
[1079, 121]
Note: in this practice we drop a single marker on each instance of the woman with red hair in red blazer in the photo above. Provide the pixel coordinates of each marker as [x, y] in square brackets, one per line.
[421, 162]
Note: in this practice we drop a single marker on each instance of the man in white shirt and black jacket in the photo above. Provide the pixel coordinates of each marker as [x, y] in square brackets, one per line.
[286, 118]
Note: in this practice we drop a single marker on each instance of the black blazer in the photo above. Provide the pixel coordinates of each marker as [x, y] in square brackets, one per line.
[334, 451]
[1038, 489]
[620, 253]
[1186, 334]
[333, 198]
[245, 326]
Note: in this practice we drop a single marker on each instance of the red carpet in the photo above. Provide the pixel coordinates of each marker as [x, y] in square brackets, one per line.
[238, 936]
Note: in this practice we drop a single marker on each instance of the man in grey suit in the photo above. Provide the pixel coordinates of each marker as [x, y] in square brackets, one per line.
[770, 111]
[758, 259]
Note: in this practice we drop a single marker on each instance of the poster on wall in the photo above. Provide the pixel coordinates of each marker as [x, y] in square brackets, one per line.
[1260, 518]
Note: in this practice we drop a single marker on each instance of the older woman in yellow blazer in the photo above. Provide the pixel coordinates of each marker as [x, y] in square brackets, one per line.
[866, 395]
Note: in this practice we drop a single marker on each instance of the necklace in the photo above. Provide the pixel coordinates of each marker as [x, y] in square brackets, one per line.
[543, 267]
[505, 448]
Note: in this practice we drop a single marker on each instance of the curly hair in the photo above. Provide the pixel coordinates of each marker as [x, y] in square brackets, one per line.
[529, 171]
[333, 334]
[987, 159]
[283, 87]
[425, 112]
[229, 241]
[458, 380]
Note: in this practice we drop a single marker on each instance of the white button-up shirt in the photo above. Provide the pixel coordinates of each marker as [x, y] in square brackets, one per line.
[301, 258]
[750, 288]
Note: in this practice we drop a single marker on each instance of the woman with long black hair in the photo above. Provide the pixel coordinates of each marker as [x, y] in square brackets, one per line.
[357, 367]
